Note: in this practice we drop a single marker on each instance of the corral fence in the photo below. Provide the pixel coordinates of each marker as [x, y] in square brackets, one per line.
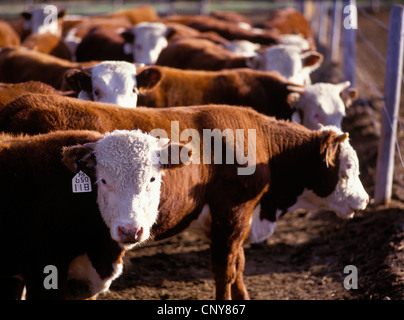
[335, 26]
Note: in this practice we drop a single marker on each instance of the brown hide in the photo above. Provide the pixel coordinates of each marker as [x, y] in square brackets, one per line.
[43, 218]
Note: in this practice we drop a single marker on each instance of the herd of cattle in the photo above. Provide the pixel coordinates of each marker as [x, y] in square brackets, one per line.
[68, 108]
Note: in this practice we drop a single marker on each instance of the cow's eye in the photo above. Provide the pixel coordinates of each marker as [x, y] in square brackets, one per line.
[349, 166]
[103, 181]
[135, 90]
[97, 92]
[152, 179]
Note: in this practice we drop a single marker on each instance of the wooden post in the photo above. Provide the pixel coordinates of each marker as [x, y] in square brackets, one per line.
[322, 23]
[204, 7]
[392, 91]
[335, 31]
[349, 24]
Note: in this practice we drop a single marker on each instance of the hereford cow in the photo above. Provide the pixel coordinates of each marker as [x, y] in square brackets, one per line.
[112, 82]
[266, 92]
[141, 43]
[202, 54]
[84, 235]
[280, 166]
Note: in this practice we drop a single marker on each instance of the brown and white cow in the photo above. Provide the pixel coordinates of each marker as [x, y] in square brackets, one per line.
[110, 81]
[280, 166]
[266, 92]
[141, 43]
[81, 236]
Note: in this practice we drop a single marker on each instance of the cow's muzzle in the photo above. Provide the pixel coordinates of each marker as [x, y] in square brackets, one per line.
[129, 234]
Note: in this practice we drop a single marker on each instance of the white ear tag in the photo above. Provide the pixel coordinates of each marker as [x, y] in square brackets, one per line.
[81, 183]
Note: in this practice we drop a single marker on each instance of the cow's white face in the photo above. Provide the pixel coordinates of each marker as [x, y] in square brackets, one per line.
[39, 20]
[289, 61]
[321, 103]
[349, 194]
[149, 39]
[128, 179]
[113, 82]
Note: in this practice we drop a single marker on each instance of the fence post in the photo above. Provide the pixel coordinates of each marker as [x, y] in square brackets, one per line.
[350, 24]
[392, 91]
[335, 33]
[322, 23]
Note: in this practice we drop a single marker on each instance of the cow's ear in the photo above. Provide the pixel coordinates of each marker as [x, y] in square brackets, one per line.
[170, 32]
[312, 59]
[148, 78]
[79, 79]
[128, 36]
[61, 13]
[26, 15]
[79, 157]
[296, 91]
[348, 95]
[174, 156]
[329, 146]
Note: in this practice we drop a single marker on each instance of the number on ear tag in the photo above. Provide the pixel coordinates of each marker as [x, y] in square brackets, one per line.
[81, 183]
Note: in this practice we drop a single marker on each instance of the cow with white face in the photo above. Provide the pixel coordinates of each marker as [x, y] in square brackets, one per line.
[335, 187]
[42, 20]
[321, 103]
[288, 60]
[145, 41]
[128, 173]
[112, 82]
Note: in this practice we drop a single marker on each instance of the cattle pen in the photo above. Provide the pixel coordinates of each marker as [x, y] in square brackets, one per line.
[307, 255]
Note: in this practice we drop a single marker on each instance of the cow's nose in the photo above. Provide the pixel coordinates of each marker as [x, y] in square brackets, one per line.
[129, 234]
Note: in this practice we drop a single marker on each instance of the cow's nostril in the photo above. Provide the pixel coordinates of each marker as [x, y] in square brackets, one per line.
[139, 234]
[129, 234]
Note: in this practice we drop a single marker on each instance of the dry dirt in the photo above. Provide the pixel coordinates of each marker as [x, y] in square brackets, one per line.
[306, 256]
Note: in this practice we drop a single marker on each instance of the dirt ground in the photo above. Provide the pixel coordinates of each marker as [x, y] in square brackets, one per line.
[306, 256]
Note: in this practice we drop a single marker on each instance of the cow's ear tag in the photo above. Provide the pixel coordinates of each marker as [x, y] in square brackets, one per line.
[81, 183]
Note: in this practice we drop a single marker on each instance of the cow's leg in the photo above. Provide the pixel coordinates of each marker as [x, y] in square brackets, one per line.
[238, 289]
[229, 230]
